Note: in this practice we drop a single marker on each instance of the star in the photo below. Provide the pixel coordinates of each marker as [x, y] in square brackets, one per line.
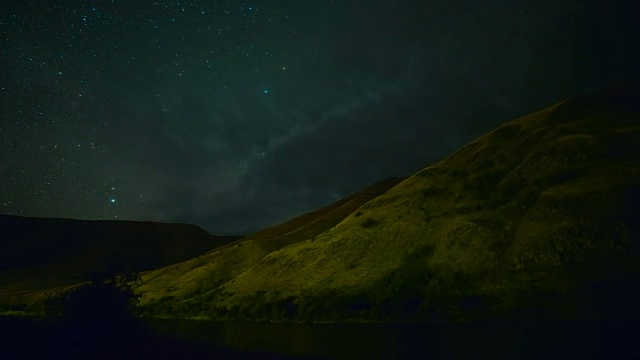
[112, 200]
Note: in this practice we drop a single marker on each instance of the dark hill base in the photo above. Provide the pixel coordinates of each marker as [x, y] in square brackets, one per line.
[40, 254]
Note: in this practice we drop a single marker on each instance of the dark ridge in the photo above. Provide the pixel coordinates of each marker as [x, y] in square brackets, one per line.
[27, 241]
[39, 255]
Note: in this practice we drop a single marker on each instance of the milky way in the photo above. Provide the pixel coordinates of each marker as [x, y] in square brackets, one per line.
[235, 115]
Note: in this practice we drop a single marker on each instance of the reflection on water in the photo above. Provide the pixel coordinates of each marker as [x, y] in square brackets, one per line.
[172, 339]
[473, 340]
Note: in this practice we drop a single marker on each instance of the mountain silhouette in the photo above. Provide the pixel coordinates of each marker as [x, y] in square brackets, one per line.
[39, 254]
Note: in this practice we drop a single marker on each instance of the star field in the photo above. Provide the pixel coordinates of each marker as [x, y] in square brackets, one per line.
[76, 67]
[235, 115]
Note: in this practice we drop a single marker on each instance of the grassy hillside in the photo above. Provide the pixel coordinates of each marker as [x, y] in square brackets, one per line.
[40, 254]
[537, 219]
[165, 289]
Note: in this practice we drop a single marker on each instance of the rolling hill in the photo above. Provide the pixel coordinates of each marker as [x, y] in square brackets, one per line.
[39, 254]
[538, 219]
[165, 288]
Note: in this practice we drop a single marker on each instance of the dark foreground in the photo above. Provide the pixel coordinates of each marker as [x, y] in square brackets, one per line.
[28, 337]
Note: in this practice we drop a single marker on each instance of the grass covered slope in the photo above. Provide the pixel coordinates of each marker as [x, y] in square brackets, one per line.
[40, 254]
[537, 219]
[178, 290]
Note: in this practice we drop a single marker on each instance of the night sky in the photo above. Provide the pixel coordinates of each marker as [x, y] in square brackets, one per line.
[237, 115]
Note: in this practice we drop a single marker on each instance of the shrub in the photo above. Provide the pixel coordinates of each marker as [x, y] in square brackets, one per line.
[369, 222]
[103, 297]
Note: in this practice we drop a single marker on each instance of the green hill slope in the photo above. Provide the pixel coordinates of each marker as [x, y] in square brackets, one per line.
[166, 289]
[537, 219]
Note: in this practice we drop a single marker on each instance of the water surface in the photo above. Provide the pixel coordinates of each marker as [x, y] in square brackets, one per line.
[501, 340]
[28, 337]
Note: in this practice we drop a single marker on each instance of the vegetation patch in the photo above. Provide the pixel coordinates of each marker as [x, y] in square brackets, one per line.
[370, 222]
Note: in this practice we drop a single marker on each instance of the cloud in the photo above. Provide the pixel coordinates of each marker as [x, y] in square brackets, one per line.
[387, 95]
[351, 147]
